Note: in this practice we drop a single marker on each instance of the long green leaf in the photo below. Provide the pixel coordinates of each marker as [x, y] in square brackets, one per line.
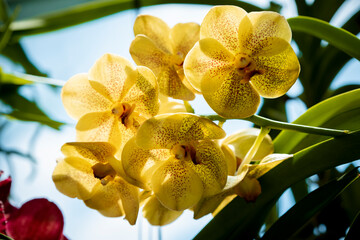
[300, 213]
[32, 117]
[97, 9]
[242, 220]
[341, 111]
[354, 231]
[337, 37]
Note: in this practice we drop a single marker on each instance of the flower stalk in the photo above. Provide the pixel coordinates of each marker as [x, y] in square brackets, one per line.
[273, 124]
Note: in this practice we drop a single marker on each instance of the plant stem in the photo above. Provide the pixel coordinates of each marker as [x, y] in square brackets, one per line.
[254, 148]
[38, 79]
[266, 122]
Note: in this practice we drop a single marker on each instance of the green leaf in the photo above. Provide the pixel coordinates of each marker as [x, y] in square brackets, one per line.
[341, 111]
[354, 231]
[33, 117]
[4, 237]
[26, 110]
[287, 226]
[97, 9]
[338, 37]
[242, 220]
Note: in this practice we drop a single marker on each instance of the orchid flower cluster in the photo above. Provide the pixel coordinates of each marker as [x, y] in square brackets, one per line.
[136, 146]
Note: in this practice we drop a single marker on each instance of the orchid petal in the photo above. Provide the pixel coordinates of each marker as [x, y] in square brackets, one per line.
[183, 37]
[36, 219]
[115, 199]
[139, 164]
[80, 97]
[221, 23]
[156, 29]
[176, 185]
[278, 69]
[157, 214]
[74, 177]
[164, 131]
[230, 97]
[113, 76]
[207, 60]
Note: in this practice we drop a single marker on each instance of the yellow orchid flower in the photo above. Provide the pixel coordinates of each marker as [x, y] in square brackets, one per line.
[167, 105]
[244, 183]
[239, 57]
[157, 214]
[163, 50]
[111, 101]
[173, 155]
[87, 172]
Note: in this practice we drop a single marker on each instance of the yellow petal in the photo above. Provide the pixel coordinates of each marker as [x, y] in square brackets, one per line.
[249, 189]
[279, 68]
[92, 152]
[111, 75]
[103, 127]
[80, 97]
[230, 159]
[157, 214]
[156, 29]
[222, 24]
[229, 97]
[176, 185]
[116, 198]
[74, 177]
[171, 85]
[169, 106]
[164, 131]
[244, 139]
[144, 93]
[139, 164]
[145, 52]
[210, 166]
[268, 163]
[207, 60]
[214, 203]
[183, 37]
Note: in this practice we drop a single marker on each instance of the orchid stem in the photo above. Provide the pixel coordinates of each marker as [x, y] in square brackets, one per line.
[273, 124]
[38, 79]
[254, 148]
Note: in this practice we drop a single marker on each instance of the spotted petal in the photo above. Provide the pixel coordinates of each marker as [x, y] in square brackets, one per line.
[74, 177]
[278, 68]
[144, 93]
[112, 76]
[103, 127]
[183, 37]
[207, 60]
[115, 199]
[222, 24]
[230, 97]
[92, 152]
[145, 52]
[80, 97]
[164, 131]
[210, 166]
[176, 185]
[157, 214]
[139, 164]
[170, 84]
[156, 29]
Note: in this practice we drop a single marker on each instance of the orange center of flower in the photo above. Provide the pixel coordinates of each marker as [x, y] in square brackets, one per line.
[124, 112]
[184, 152]
[246, 67]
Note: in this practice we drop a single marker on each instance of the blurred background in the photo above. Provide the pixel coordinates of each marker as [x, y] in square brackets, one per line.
[34, 124]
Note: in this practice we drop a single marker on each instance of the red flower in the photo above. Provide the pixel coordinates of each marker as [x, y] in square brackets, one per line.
[37, 219]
